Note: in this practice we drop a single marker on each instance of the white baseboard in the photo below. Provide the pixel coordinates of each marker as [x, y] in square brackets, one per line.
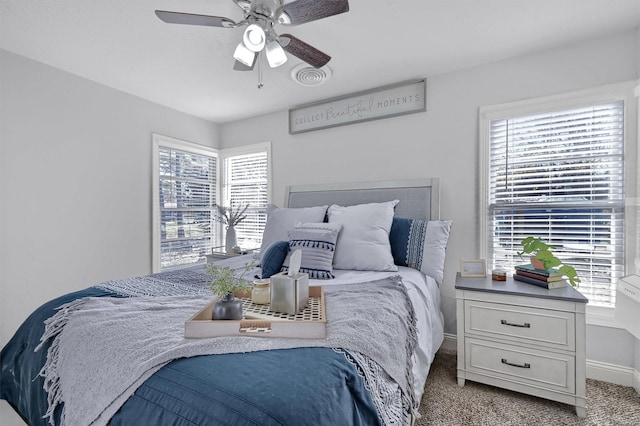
[450, 343]
[611, 373]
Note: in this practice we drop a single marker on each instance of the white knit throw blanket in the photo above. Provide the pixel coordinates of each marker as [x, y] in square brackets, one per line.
[104, 348]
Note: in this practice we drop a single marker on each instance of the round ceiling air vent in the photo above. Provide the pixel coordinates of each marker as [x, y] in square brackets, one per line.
[309, 76]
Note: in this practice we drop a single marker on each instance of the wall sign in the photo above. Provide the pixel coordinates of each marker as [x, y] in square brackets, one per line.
[382, 102]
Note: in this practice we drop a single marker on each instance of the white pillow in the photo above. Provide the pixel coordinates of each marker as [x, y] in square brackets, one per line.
[435, 244]
[363, 244]
[282, 220]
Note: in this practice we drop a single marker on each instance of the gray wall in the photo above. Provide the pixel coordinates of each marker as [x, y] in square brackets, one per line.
[75, 182]
[601, 340]
[443, 142]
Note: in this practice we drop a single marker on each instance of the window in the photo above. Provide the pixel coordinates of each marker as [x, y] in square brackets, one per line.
[246, 182]
[187, 185]
[557, 170]
[185, 189]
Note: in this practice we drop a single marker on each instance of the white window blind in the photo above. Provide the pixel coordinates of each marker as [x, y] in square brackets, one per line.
[186, 185]
[559, 175]
[246, 183]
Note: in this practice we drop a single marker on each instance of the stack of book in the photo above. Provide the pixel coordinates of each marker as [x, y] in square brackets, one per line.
[547, 278]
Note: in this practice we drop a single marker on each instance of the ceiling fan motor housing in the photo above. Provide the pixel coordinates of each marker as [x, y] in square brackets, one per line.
[266, 8]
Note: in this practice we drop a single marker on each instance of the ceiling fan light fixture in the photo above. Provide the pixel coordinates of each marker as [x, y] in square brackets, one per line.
[244, 55]
[275, 54]
[254, 38]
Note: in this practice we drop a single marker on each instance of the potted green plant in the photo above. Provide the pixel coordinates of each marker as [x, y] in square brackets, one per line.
[543, 258]
[225, 283]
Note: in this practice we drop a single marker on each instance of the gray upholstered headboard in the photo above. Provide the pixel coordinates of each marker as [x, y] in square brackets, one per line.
[419, 198]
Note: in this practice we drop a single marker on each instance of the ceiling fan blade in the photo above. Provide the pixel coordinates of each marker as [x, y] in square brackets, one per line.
[193, 19]
[239, 66]
[304, 51]
[243, 4]
[301, 11]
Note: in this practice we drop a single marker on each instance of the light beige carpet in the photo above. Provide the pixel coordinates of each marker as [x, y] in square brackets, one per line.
[445, 403]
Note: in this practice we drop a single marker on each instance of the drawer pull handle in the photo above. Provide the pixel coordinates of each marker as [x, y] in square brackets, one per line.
[525, 325]
[525, 365]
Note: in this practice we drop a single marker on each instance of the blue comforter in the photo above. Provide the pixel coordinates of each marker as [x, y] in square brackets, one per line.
[306, 386]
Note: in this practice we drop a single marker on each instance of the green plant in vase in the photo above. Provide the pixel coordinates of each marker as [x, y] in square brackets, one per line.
[543, 258]
[225, 283]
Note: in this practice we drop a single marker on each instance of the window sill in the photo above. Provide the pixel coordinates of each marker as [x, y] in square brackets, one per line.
[602, 317]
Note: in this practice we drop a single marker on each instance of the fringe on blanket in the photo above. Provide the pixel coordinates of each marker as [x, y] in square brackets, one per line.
[382, 391]
[53, 326]
[410, 344]
[171, 283]
[392, 405]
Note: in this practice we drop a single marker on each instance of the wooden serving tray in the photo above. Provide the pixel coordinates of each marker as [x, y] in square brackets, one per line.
[259, 321]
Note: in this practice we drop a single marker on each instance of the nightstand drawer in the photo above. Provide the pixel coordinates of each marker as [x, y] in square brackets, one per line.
[528, 366]
[540, 327]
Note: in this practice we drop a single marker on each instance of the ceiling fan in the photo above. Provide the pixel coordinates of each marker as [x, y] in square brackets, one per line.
[260, 18]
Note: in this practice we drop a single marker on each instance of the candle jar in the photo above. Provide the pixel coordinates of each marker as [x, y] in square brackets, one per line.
[499, 274]
[261, 294]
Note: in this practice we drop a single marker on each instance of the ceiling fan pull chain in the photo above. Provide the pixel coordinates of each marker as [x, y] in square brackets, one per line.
[260, 70]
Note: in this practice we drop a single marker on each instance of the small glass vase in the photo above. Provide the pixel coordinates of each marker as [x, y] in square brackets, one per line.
[230, 239]
[227, 308]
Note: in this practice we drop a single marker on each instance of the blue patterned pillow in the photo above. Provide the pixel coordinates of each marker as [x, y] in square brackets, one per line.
[318, 244]
[420, 244]
[273, 258]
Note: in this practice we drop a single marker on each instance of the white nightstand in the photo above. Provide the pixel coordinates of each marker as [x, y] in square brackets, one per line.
[522, 337]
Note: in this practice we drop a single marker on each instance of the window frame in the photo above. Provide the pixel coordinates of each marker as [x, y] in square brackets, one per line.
[624, 91]
[181, 145]
[238, 151]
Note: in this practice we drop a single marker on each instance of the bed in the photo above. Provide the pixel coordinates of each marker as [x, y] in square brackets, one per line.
[115, 353]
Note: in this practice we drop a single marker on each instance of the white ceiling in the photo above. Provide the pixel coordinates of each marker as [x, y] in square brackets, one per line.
[122, 44]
